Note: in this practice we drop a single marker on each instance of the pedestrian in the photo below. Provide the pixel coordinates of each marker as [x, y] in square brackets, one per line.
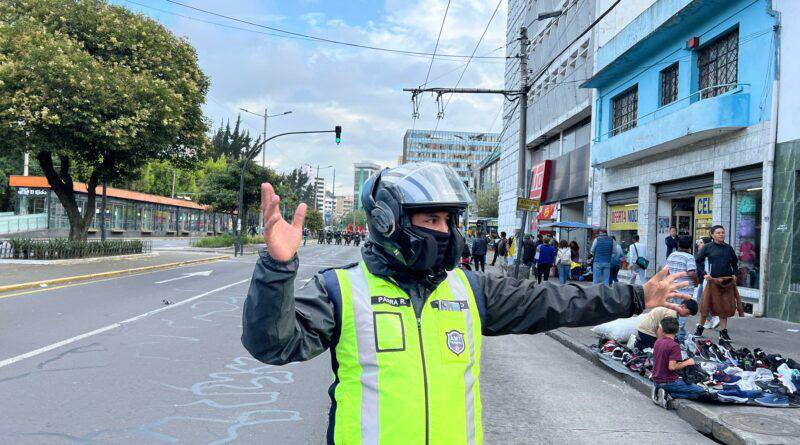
[305, 235]
[495, 244]
[376, 315]
[667, 361]
[636, 261]
[479, 246]
[720, 293]
[602, 249]
[576, 251]
[547, 256]
[528, 254]
[616, 260]
[502, 251]
[712, 321]
[647, 331]
[563, 261]
[671, 240]
[682, 261]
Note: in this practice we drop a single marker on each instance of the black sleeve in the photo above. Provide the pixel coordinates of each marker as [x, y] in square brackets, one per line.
[522, 307]
[734, 261]
[280, 326]
[700, 261]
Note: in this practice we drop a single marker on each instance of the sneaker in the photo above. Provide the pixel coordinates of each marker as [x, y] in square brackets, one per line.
[737, 395]
[709, 324]
[662, 398]
[723, 335]
[722, 377]
[773, 401]
[729, 398]
[699, 330]
[714, 322]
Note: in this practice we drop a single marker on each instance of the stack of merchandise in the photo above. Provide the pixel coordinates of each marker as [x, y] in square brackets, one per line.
[734, 375]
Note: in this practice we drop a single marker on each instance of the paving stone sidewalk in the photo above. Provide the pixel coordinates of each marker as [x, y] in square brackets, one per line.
[24, 273]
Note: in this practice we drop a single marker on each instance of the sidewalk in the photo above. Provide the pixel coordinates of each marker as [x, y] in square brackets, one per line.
[24, 273]
[727, 423]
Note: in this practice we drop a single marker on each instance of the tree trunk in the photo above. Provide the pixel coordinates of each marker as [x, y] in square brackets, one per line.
[63, 186]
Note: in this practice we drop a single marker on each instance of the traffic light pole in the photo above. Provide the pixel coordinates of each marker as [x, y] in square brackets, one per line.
[247, 158]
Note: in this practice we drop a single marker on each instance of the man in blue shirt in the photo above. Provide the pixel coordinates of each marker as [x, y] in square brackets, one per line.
[672, 240]
[602, 250]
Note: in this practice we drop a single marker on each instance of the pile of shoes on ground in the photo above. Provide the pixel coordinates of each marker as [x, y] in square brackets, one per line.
[731, 375]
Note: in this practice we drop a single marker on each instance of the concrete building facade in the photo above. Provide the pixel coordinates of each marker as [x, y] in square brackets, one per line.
[460, 150]
[362, 171]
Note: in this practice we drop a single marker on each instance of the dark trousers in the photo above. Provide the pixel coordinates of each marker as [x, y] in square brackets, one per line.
[614, 273]
[480, 262]
[645, 341]
[494, 258]
[543, 272]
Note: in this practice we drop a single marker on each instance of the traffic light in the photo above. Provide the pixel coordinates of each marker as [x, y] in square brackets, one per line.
[338, 130]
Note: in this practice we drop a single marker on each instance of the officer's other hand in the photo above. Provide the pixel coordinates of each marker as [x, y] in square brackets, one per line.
[283, 239]
[662, 287]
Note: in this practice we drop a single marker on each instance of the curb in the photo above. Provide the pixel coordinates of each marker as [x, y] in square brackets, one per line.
[113, 273]
[79, 260]
[692, 413]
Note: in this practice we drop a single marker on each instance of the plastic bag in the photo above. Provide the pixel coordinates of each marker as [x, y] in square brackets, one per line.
[620, 330]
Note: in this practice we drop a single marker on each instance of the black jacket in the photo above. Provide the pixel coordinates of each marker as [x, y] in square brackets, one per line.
[281, 325]
[722, 261]
[479, 246]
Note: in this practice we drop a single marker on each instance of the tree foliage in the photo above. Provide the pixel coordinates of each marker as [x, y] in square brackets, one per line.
[220, 189]
[95, 91]
[156, 177]
[294, 188]
[314, 221]
[357, 217]
[488, 202]
[232, 144]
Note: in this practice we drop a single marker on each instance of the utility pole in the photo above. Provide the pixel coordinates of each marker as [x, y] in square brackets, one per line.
[173, 183]
[103, 214]
[523, 132]
[264, 138]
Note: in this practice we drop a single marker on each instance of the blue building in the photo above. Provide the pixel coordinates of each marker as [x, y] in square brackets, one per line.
[682, 127]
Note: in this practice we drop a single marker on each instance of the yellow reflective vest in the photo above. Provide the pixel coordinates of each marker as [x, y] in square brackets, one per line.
[402, 379]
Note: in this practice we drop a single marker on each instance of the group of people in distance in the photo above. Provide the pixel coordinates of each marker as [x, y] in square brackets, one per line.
[339, 237]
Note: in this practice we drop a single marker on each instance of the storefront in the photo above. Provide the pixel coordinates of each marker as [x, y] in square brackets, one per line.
[745, 233]
[687, 205]
[623, 215]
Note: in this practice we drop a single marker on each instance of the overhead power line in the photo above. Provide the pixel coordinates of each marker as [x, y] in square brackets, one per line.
[322, 39]
[415, 115]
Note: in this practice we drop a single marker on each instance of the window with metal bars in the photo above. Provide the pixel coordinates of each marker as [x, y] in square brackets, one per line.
[669, 84]
[718, 65]
[623, 109]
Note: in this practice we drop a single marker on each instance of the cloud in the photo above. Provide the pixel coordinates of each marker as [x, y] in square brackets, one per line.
[325, 85]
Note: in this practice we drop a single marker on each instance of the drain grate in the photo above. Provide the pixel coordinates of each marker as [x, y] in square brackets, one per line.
[761, 423]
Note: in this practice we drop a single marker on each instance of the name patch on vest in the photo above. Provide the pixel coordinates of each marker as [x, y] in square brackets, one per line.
[396, 302]
[449, 305]
[455, 342]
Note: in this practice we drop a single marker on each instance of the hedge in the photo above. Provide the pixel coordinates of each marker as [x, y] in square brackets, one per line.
[226, 241]
[62, 248]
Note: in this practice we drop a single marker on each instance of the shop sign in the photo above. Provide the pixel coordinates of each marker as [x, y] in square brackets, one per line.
[624, 217]
[547, 212]
[540, 178]
[25, 191]
[703, 206]
[528, 204]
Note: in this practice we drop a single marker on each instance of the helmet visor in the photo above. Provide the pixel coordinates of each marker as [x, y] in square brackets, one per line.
[427, 184]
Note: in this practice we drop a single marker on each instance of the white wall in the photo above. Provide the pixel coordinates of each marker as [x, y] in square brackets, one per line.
[618, 18]
[789, 101]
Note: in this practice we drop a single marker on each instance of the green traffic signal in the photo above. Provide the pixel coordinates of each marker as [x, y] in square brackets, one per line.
[338, 131]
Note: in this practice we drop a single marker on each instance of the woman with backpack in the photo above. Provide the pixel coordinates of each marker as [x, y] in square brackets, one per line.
[563, 261]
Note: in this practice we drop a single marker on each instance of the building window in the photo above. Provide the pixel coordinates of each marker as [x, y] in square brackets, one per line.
[718, 64]
[623, 109]
[746, 235]
[669, 84]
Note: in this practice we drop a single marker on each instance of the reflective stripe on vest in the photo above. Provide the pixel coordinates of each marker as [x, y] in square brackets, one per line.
[402, 380]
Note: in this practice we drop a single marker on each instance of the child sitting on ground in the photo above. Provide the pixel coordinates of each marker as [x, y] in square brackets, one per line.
[667, 361]
[647, 330]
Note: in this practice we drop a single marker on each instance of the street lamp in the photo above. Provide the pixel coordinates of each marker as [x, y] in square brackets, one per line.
[264, 133]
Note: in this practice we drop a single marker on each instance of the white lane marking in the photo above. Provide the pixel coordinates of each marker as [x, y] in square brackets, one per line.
[204, 273]
[44, 349]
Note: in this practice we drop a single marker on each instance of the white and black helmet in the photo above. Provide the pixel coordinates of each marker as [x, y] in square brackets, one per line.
[389, 198]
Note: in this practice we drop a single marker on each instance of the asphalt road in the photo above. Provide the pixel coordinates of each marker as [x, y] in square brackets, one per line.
[108, 362]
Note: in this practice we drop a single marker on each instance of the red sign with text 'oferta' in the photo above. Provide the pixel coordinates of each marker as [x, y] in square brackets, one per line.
[540, 177]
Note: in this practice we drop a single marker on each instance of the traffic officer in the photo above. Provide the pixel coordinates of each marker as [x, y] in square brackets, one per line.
[404, 326]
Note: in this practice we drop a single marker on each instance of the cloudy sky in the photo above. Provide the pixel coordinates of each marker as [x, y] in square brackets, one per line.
[325, 84]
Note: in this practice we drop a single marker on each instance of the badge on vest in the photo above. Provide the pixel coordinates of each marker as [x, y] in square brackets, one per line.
[455, 342]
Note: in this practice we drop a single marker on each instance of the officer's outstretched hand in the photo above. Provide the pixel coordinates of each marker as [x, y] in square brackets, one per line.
[283, 239]
[662, 287]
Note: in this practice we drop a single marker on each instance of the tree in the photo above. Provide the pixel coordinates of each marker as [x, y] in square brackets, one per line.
[488, 202]
[220, 189]
[314, 221]
[156, 177]
[357, 217]
[295, 188]
[95, 91]
[232, 144]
